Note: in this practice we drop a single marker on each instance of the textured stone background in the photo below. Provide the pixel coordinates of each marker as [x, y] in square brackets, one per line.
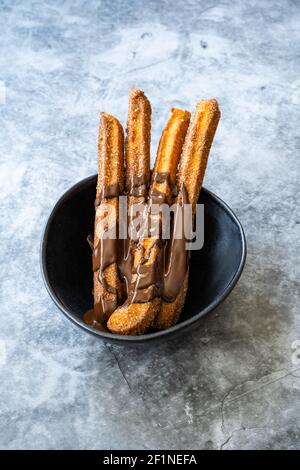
[234, 383]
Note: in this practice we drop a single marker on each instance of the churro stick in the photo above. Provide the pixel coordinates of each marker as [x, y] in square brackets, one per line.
[138, 313]
[137, 147]
[107, 285]
[137, 159]
[191, 174]
[196, 148]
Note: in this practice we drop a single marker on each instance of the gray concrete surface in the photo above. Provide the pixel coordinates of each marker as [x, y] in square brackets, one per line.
[234, 383]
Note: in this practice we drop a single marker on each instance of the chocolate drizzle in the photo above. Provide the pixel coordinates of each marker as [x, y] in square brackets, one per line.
[90, 318]
[108, 192]
[176, 257]
[164, 177]
[125, 262]
[157, 197]
[105, 254]
[138, 186]
[163, 278]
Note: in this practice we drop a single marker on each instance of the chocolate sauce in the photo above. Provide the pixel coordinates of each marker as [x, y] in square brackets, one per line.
[163, 278]
[125, 263]
[101, 311]
[138, 185]
[157, 197]
[176, 257]
[144, 295]
[105, 254]
[108, 192]
[164, 177]
[90, 319]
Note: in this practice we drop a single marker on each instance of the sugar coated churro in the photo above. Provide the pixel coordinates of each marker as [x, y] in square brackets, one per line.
[191, 174]
[137, 161]
[107, 284]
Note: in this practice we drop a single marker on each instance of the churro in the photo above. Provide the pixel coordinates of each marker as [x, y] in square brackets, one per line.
[137, 160]
[192, 168]
[107, 284]
[137, 145]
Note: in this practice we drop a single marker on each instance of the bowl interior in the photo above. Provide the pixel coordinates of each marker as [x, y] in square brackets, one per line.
[66, 256]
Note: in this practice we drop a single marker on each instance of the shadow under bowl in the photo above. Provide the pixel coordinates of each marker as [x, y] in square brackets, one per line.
[67, 265]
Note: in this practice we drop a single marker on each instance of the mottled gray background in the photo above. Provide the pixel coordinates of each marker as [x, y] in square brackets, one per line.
[234, 383]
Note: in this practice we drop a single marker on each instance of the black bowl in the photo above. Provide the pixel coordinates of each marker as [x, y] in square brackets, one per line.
[67, 271]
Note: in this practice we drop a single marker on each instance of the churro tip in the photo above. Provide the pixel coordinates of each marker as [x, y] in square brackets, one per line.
[138, 99]
[209, 104]
[136, 92]
[105, 117]
[110, 120]
[183, 112]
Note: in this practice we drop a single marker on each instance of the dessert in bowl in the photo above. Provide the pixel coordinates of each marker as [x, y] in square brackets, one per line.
[147, 285]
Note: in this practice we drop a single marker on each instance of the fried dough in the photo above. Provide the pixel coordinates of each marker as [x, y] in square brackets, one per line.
[110, 183]
[192, 168]
[137, 160]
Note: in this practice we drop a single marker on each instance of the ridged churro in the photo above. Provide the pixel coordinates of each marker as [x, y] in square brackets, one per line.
[192, 167]
[107, 284]
[137, 145]
[137, 160]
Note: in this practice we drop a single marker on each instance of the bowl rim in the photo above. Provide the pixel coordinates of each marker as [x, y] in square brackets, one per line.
[149, 336]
